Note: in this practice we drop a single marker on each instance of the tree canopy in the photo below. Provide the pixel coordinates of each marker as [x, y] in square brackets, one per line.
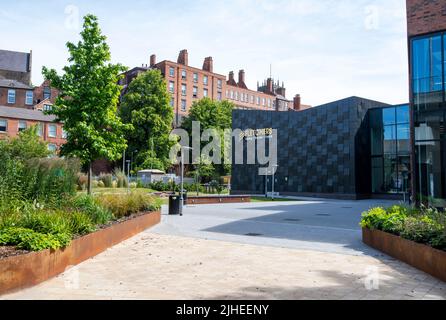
[90, 92]
[146, 105]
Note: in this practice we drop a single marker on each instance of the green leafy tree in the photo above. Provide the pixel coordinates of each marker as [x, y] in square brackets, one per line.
[211, 115]
[88, 102]
[27, 145]
[146, 106]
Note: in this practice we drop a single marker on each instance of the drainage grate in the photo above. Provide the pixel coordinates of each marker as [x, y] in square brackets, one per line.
[292, 220]
[324, 215]
[253, 234]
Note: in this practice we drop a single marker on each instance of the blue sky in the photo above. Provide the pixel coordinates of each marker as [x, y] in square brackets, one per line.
[322, 49]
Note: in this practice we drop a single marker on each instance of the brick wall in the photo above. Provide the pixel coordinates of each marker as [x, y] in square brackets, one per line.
[425, 16]
[20, 97]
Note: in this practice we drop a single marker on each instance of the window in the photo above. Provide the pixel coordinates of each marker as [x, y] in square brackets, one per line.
[46, 93]
[263, 101]
[196, 77]
[22, 125]
[11, 96]
[258, 101]
[52, 130]
[47, 107]
[242, 97]
[232, 95]
[205, 93]
[171, 72]
[171, 86]
[205, 80]
[227, 93]
[269, 103]
[3, 125]
[183, 89]
[236, 96]
[252, 99]
[219, 96]
[172, 102]
[52, 148]
[219, 83]
[64, 134]
[29, 98]
[195, 93]
[183, 74]
[40, 129]
[183, 105]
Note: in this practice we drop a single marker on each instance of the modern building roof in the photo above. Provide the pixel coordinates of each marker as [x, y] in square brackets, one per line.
[15, 61]
[14, 84]
[25, 114]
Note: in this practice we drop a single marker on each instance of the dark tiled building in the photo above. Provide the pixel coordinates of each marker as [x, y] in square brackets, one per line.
[427, 65]
[329, 151]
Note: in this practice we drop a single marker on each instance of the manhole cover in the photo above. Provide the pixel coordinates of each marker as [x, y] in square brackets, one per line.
[324, 215]
[253, 234]
[292, 220]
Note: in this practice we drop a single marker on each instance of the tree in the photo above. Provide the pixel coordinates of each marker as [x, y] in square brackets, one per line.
[211, 115]
[25, 146]
[88, 102]
[146, 106]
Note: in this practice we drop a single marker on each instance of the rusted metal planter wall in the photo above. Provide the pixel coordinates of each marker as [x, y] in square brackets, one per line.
[420, 256]
[23, 271]
[217, 199]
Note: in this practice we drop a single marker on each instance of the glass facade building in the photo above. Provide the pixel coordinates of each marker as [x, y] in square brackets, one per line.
[390, 149]
[428, 65]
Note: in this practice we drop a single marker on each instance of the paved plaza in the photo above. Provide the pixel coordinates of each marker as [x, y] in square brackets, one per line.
[273, 250]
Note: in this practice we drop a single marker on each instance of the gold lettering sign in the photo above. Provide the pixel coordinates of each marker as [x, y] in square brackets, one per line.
[256, 133]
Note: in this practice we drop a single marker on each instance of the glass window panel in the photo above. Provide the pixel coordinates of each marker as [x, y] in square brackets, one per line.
[436, 64]
[391, 182]
[402, 114]
[390, 139]
[403, 135]
[389, 116]
[420, 66]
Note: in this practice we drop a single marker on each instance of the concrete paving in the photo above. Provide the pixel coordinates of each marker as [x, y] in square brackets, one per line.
[296, 250]
[323, 225]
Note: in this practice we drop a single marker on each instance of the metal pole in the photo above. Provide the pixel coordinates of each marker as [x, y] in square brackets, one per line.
[272, 195]
[181, 183]
[123, 161]
[128, 176]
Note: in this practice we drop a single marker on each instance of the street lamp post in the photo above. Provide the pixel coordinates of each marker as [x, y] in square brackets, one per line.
[128, 176]
[182, 179]
[272, 194]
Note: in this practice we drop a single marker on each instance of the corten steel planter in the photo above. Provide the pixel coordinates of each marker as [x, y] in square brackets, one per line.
[217, 199]
[420, 256]
[19, 272]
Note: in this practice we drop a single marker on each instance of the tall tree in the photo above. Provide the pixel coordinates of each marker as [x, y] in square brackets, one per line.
[146, 106]
[211, 115]
[87, 105]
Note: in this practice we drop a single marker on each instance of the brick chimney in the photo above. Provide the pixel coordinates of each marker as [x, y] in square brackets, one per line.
[281, 91]
[231, 80]
[183, 58]
[297, 102]
[269, 86]
[241, 79]
[208, 64]
[152, 60]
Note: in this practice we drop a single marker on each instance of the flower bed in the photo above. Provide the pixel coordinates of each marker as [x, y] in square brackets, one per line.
[414, 236]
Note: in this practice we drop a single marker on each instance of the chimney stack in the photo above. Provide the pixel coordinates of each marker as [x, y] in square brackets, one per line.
[297, 102]
[269, 85]
[152, 60]
[183, 58]
[241, 76]
[231, 76]
[208, 64]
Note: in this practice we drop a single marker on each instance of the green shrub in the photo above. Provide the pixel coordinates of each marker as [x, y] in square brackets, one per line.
[133, 185]
[80, 223]
[91, 206]
[28, 239]
[122, 205]
[107, 180]
[82, 181]
[425, 225]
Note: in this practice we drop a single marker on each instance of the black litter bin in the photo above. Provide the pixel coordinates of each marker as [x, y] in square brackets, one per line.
[174, 204]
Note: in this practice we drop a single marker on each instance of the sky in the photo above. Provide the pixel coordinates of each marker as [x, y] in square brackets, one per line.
[324, 50]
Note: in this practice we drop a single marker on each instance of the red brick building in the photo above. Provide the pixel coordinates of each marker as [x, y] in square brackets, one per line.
[187, 84]
[21, 104]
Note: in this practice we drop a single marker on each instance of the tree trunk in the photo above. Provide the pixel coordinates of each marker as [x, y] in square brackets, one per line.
[89, 178]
